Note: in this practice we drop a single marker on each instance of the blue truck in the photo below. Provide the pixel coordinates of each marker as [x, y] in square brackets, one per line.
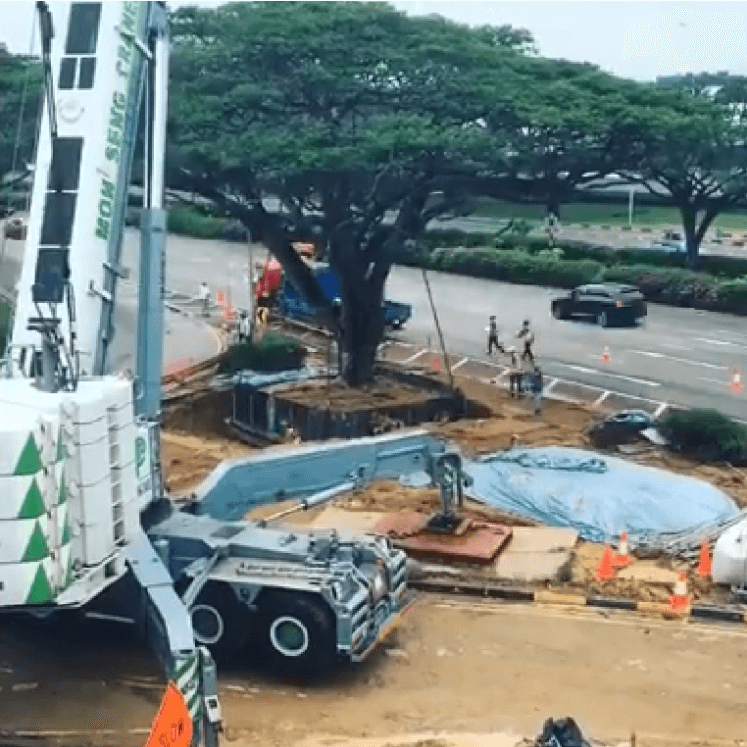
[291, 304]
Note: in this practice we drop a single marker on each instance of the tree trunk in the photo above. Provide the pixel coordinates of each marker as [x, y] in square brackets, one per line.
[363, 328]
[692, 240]
[362, 314]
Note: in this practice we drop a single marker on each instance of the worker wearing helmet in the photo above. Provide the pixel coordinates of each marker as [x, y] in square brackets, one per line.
[527, 335]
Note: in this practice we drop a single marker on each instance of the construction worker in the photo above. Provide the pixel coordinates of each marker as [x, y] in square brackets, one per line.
[204, 296]
[245, 327]
[528, 336]
[492, 331]
[536, 386]
[514, 376]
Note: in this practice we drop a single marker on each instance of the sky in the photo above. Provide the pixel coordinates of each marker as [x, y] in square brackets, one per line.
[639, 39]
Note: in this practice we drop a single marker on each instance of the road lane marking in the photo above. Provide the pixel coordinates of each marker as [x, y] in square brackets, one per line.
[679, 360]
[715, 342]
[633, 379]
[461, 363]
[413, 357]
[674, 347]
[721, 382]
[660, 409]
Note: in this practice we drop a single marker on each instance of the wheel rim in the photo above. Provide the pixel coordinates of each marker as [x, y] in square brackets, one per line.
[207, 624]
[289, 636]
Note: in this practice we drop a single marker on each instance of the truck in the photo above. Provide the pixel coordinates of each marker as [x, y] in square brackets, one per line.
[289, 303]
[84, 509]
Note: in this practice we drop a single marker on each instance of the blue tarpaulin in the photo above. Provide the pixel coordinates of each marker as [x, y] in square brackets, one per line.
[598, 496]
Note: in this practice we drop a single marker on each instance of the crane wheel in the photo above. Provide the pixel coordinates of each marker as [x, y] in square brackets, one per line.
[220, 621]
[297, 632]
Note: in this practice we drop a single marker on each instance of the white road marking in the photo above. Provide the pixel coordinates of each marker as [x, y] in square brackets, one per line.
[721, 382]
[715, 342]
[674, 347]
[601, 399]
[632, 379]
[414, 357]
[461, 363]
[660, 409]
[680, 360]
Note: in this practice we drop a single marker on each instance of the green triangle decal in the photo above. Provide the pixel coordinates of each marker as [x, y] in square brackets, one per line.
[65, 533]
[63, 489]
[29, 463]
[69, 577]
[41, 591]
[33, 504]
[37, 548]
[61, 453]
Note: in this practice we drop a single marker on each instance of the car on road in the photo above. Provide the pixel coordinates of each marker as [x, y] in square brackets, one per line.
[607, 303]
[671, 243]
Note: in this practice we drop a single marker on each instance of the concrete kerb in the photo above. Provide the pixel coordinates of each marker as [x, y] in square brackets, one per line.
[693, 613]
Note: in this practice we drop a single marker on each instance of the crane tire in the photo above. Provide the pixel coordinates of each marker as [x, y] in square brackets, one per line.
[297, 632]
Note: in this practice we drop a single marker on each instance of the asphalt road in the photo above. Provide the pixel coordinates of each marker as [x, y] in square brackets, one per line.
[680, 356]
[186, 339]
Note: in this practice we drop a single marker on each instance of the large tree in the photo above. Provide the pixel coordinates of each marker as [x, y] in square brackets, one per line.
[690, 146]
[346, 122]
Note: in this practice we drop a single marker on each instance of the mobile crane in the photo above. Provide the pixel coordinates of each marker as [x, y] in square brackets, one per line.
[83, 507]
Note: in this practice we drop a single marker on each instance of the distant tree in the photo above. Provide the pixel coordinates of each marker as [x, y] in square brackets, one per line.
[693, 147]
[18, 73]
[349, 123]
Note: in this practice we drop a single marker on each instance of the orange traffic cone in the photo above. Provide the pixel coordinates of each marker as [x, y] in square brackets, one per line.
[736, 383]
[220, 297]
[704, 565]
[622, 559]
[605, 571]
[606, 355]
[680, 600]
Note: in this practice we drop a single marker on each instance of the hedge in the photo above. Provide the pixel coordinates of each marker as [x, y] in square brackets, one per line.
[190, 221]
[515, 266]
[707, 434]
[5, 321]
[273, 353]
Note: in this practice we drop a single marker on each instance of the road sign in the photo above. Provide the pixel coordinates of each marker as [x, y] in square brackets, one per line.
[172, 726]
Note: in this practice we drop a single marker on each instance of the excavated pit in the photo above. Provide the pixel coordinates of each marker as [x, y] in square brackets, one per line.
[267, 409]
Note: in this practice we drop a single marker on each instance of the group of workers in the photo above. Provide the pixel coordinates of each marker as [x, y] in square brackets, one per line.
[524, 374]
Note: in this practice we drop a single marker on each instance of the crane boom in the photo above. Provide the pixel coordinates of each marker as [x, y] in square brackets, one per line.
[82, 171]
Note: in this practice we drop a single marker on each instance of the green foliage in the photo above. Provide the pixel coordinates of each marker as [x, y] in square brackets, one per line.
[707, 434]
[273, 353]
[516, 266]
[193, 221]
[17, 71]
[734, 294]
[5, 322]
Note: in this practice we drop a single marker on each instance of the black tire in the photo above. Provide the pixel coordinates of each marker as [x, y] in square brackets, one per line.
[603, 319]
[297, 633]
[220, 621]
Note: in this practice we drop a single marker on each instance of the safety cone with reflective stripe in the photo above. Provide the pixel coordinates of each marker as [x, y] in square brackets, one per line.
[736, 382]
[622, 559]
[606, 355]
[680, 599]
[704, 564]
[605, 570]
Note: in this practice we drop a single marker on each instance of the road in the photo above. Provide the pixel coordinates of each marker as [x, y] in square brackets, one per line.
[456, 667]
[186, 339]
[681, 356]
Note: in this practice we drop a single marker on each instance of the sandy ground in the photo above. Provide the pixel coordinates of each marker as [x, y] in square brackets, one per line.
[452, 670]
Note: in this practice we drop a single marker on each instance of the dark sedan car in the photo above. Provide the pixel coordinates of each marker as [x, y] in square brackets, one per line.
[607, 303]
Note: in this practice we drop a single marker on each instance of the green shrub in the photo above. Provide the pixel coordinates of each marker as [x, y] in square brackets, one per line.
[707, 434]
[194, 222]
[5, 322]
[734, 294]
[452, 237]
[730, 267]
[273, 353]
